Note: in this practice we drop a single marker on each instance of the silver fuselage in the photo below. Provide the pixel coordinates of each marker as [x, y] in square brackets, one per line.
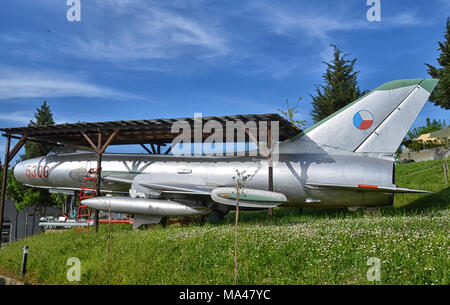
[290, 174]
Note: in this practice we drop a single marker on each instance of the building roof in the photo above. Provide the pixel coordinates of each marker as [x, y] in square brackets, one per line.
[424, 137]
[156, 131]
[443, 133]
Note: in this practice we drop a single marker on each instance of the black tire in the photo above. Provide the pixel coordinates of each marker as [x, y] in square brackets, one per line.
[164, 222]
[215, 217]
[202, 220]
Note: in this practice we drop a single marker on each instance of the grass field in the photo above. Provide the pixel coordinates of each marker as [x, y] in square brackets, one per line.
[411, 241]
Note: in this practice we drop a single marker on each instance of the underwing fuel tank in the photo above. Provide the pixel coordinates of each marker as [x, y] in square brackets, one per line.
[248, 197]
[144, 206]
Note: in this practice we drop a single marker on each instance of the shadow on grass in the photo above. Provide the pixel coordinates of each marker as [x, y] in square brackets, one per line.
[285, 215]
[426, 205]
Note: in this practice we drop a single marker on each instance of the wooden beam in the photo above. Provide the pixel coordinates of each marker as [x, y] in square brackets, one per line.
[168, 150]
[146, 149]
[111, 137]
[264, 152]
[153, 148]
[89, 141]
[17, 147]
[34, 140]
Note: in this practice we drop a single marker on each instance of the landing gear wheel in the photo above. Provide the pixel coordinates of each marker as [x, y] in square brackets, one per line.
[164, 222]
[215, 217]
[202, 220]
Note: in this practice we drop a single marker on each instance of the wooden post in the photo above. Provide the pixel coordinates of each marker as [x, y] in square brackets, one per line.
[9, 155]
[5, 177]
[269, 147]
[99, 171]
[238, 186]
[99, 149]
[446, 171]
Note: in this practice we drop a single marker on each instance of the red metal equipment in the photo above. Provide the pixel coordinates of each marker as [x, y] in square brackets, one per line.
[116, 221]
[88, 190]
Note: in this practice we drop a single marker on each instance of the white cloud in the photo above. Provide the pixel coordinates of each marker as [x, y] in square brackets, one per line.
[184, 36]
[314, 26]
[17, 117]
[322, 22]
[139, 30]
[12, 38]
[21, 83]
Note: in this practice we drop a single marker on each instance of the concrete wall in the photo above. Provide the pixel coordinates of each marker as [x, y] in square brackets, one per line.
[425, 154]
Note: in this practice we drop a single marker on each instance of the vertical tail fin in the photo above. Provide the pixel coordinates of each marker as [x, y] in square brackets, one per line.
[375, 123]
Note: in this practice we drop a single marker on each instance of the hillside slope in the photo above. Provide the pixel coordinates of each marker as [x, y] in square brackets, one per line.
[317, 247]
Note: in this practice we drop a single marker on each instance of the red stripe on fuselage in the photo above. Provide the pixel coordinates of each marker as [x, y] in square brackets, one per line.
[368, 186]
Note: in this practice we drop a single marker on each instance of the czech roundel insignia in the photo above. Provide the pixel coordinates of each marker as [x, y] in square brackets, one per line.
[363, 119]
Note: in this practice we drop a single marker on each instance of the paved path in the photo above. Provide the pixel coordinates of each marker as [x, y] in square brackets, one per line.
[9, 281]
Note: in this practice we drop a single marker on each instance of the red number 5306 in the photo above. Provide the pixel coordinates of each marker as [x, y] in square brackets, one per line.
[37, 171]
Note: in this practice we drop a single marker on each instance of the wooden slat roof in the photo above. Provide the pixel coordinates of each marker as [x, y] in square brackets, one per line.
[138, 131]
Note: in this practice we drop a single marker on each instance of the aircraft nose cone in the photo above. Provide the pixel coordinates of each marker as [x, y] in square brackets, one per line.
[95, 203]
[19, 172]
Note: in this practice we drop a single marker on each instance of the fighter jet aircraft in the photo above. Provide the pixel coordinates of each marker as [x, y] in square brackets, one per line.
[345, 160]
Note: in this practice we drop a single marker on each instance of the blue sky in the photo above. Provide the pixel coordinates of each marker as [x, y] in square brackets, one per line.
[133, 59]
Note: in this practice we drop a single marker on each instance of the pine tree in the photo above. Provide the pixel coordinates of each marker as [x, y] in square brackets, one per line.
[340, 88]
[43, 117]
[441, 94]
[25, 196]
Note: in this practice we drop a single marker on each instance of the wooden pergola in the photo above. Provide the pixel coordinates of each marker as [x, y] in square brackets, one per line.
[155, 133]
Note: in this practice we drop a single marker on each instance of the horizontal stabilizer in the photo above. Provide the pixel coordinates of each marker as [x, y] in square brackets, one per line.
[365, 188]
